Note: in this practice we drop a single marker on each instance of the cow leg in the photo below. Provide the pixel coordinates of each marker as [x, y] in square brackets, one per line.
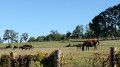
[88, 48]
[95, 48]
[80, 47]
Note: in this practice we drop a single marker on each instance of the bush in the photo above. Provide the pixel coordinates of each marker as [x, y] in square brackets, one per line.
[117, 58]
[37, 64]
[4, 59]
[39, 56]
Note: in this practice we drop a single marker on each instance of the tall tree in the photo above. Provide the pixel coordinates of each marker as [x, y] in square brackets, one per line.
[68, 35]
[1, 41]
[32, 39]
[24, 37]
[10, 35]
[78, 32]
[107, 22]
[40, 38]
[88, 33]
[63, 37]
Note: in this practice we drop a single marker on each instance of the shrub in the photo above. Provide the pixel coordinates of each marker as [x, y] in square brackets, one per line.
[4, 59]
[37, 64]
[117, 58]
[39, 56]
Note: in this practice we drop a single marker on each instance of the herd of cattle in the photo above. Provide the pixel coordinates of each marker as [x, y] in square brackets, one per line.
[87, 44]
[21, 47]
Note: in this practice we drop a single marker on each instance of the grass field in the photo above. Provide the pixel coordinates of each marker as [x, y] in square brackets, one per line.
[79, 58]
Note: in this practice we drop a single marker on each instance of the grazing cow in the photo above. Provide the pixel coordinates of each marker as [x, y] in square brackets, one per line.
[29, 46]
[22, 47]
[89, 43]
[79, 46]
[15, 47]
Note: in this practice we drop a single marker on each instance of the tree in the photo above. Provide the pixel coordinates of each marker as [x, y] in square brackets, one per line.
[10, 34]
[68, 35]
[53, 36]
[40, 38]
[32, 39]
[78, 32]
[63, 37]
[88, 33]
[1, 41]
[24, 37]
[14, 37]
[107, 22]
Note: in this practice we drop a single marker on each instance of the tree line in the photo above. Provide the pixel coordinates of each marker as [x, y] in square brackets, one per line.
[106, 24]
[54, 35]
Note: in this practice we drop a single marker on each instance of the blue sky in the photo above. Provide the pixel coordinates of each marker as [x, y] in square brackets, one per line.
[39, 17]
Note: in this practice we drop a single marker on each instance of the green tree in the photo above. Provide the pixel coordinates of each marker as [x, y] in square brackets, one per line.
[40, 38]
[78, 32]
[1, 41]
[88, 33]
[107, 22]
[32, 39]
[68, 35]
[53, 36]
[24, 37]
[96, 26]
[63, 37]
[10, 35]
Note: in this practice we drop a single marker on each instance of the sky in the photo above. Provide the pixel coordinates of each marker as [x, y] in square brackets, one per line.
[39, 17]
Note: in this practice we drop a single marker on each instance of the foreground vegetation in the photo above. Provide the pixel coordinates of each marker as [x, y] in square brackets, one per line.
[73, 57]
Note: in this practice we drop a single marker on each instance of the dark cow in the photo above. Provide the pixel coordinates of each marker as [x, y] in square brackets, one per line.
[89, 43]
[26, 47]
[15, 47]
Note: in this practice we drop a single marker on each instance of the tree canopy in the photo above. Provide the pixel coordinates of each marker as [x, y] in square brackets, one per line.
[106, 23]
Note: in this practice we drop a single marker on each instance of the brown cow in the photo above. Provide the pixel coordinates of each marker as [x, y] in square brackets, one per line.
[89, 43]
[26, 47]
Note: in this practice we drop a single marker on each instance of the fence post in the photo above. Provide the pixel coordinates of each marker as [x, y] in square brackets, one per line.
[57, 58]
[115, 49]
[111, 56]
[13, 61]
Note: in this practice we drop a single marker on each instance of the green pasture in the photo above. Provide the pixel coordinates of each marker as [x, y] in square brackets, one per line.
[72, 56]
